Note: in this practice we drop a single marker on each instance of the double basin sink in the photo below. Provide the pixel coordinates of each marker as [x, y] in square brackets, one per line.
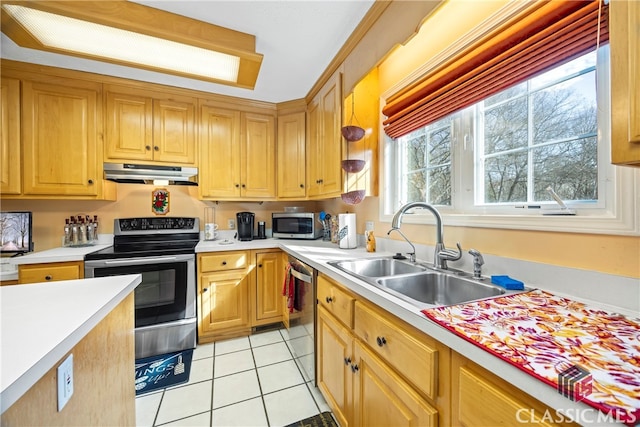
[420, 284]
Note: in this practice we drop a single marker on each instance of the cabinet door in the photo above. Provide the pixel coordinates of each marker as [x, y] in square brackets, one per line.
[50, 272]
[331, 104]
[624, 25]
[62, 151]
[224, 299]
[10, 174]
[173, 131]
[291, 156]
[335, 355]
[268, 298]
[219, 153]
[382, 398]
[258, 173]
[129, 127]
[314, 151]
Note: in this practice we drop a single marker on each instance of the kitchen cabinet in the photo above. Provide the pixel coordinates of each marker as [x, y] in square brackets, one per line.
[10, 175]
[481, 399]
[381, 397]
[223, 294]
[361, 368]
[149, 127]
[61, 139]
[267, 295]
[624, 28]
[50, 272]
[237, 155]
[291, 156]
[324, 141]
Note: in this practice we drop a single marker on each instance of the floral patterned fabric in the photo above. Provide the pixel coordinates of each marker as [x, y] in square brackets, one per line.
[543, 334]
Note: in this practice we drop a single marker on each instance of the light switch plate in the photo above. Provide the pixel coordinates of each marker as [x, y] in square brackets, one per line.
[231, 224]
[65, 382]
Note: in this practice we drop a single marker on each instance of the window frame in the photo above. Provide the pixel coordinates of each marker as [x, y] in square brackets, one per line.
[614, 214]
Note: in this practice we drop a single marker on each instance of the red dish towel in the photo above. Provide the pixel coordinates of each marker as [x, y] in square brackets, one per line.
[288, 287]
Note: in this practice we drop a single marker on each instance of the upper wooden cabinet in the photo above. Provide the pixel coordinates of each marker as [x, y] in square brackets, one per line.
[324, 141]
[149, 127]
[291, 156]
[61, 138]
[237, 152]
[10, 174]
[624, 27]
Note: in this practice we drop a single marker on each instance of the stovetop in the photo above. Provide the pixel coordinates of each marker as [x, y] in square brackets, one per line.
[146, 237]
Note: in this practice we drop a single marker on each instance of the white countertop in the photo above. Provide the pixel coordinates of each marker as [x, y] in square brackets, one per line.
[317, 253]
[61, 254]
[30, 347]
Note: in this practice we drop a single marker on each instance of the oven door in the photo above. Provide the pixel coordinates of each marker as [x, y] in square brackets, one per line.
[167, 292]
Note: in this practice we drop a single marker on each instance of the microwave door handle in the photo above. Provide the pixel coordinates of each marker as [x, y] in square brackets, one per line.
[301, 276]
[139, 261]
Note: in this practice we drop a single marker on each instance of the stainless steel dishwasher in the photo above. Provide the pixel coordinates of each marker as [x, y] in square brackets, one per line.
[300, 289]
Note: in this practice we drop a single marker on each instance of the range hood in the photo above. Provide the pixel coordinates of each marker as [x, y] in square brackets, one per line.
[150, 174]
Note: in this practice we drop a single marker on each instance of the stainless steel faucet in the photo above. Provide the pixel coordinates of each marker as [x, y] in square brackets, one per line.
[441, 254]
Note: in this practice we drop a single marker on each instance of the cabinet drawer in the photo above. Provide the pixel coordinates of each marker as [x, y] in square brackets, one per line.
[407, 353]
[50, 272]
[333, 298]
[224, 261]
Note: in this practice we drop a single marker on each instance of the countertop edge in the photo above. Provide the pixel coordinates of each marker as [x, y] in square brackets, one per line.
[22, 384]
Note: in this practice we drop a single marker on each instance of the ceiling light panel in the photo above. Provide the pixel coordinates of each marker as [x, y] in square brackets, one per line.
[96, 40]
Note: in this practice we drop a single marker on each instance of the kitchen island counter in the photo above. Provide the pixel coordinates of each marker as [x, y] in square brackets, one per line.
[42, 322]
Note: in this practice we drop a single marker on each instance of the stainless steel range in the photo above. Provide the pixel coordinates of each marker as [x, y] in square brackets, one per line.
[162, 250]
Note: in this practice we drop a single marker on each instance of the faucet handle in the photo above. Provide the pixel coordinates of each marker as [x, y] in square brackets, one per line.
[450, 254]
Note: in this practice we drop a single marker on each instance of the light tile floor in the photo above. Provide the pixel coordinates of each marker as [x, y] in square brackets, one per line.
[248, 381]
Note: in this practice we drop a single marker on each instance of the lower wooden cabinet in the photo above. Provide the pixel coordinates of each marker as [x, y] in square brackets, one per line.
[267, 295]
[382, 398]
[481, 399]
[361, 387]
[334, 358]
[50, 272]
[238, 290]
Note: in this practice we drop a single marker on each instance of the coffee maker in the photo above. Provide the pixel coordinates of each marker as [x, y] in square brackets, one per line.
[245, 225]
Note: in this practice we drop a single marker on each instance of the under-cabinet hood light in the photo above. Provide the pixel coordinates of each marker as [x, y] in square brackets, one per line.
[76, 33]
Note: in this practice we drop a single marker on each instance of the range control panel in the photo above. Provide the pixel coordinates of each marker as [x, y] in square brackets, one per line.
[176, 224]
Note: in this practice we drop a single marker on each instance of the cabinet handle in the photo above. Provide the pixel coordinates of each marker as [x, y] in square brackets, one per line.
[205, 289]
[156, 148]
[320, 181]
[259, 265]
[347, 361]
[224, 262]
[90, 182]
[301, 185]
[237, 185]
[243, 186]
[381, 341]
[147, 147]
[48, 277]
[354, 368]
[329, 299]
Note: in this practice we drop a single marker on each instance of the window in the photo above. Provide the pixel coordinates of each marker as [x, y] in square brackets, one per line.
[491, 164]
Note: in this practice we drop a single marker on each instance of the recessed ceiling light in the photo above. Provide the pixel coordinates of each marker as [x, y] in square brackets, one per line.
[57, 32]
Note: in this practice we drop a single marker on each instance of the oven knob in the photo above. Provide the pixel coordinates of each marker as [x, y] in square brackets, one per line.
[180, 223]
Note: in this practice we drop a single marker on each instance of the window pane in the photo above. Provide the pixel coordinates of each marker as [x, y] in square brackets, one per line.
[440, 146]
[440, 186]
[565, 109]
[505, 178]
[416, 187]
[416, 154]
[569, 168]
[506, 126]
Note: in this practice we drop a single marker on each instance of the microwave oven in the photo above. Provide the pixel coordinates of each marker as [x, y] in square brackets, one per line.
[296, 225]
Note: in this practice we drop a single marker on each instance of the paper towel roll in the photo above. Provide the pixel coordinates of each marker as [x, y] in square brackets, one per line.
[347, 238]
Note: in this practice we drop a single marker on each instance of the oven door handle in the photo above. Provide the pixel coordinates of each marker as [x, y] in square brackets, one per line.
[140, 261]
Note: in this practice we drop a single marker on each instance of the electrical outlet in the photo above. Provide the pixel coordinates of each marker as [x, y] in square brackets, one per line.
[368, 225]
[231, 224]
[65, 382]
